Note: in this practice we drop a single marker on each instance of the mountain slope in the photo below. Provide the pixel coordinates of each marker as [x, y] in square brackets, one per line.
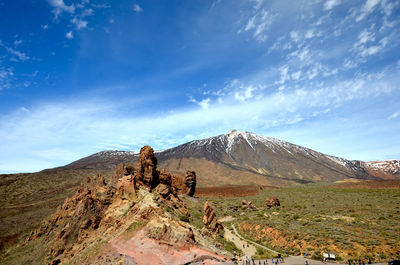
[243, 157]
[274, 159]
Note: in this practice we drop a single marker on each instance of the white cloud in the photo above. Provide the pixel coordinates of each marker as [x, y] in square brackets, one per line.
[69, 35]
[12, 52]
[295, 36]
[331, 4]
[388, 6]
[60, 6]
[137, 8]
[250, 24]
[44, 27]
[79, 23]
[205, 103]
[296, 75]
[367, 8]
[97, 123]
[284, 70]
[5, 77]
[245, 93]
[371, 50]
[17, 42]
[394, 115]
[87, 12]
[366, 36]
[309, 34]
[259, 23]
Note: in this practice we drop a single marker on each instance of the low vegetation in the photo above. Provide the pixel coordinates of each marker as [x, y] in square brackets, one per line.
[315, 219]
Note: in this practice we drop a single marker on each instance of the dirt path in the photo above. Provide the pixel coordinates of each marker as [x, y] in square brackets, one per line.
[252, 242]
[240, 243]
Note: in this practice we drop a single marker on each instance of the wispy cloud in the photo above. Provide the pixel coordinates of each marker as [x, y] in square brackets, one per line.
[394, 115]
[94, 124]
[15, 53]
[59, 6]
[367, 8]
[331, 4]
[5, 77]
[79, 23]
[259, 24]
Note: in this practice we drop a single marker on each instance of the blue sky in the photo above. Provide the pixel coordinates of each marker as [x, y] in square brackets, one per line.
[78, 77]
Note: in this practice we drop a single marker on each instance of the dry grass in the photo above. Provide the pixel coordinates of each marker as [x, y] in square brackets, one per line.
[314, 219]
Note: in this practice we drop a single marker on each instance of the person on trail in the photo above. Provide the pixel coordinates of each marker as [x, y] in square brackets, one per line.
[363, 262]
[272, 261]
[306, 262]
[369, 261]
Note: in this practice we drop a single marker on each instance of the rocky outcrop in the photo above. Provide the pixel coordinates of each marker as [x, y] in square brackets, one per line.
[146, 169]
[142, 193]
[272, 202]
[126, 183]
[190, 182]
[77, 217]
[210, 221]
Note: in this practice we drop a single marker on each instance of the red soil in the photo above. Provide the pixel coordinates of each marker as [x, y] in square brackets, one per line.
[230, 191]
[146, 251]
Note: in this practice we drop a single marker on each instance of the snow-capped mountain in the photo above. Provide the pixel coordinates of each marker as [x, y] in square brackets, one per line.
[244, 157]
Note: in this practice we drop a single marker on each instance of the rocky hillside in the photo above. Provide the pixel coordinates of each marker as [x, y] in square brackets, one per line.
[388, 169]
[137, 217]
[243, 157]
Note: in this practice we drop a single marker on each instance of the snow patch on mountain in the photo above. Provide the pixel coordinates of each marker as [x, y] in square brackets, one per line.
[391, 166]
[114, 153]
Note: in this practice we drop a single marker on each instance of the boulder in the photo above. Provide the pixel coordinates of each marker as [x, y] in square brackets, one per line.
[272, 202]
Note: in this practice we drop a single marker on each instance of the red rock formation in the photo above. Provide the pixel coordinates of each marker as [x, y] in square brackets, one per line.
[146, 169]
[272, 202]
[190, 182]
[99, 208]
[210, 220]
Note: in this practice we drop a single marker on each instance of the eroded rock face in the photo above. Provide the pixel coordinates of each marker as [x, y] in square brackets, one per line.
[141, 194]
[77, 217]
[210, 219]
[126, 184]
[146, 169]
[190, 182]
[272, 202]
